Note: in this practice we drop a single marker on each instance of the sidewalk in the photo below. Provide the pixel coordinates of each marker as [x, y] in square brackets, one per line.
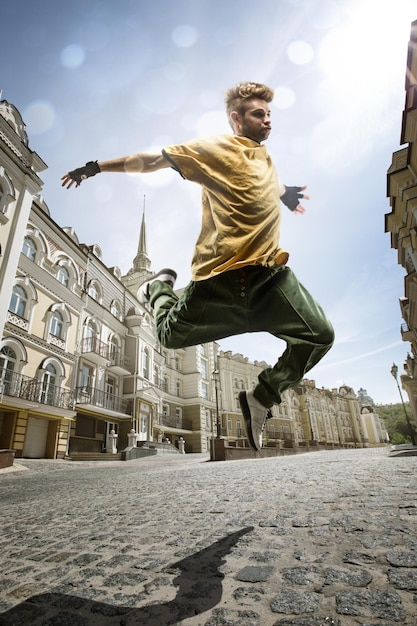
[317, 539]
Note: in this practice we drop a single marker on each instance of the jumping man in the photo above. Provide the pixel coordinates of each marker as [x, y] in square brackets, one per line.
[241, 282]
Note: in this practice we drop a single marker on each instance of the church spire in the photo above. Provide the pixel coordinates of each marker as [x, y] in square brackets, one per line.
[142, 262]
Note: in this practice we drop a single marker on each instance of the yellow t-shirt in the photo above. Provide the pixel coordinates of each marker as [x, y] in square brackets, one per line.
[240, 201]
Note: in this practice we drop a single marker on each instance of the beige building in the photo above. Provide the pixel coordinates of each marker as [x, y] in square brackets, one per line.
[81, 371]
[373, 427]
[401, 222]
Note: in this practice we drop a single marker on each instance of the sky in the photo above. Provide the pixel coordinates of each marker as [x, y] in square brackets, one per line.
[99, 79]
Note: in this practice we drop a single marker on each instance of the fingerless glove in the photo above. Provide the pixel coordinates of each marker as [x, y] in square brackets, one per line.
[89, 169]
[292, 196]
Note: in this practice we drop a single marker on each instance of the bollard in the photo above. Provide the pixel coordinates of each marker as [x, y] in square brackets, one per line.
[181, 445]
[132, 439]
[112, 444]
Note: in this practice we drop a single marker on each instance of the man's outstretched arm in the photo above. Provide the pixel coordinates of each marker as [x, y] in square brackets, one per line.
[136, 163]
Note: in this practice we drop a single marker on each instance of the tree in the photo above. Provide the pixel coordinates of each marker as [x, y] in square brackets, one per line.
[395, 422]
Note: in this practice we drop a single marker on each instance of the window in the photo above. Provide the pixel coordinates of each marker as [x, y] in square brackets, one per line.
[111, 385]
[18, 301]
[156, 375]
[89, 335]
[48, 384]
[29, 248]
[115, 309]
[145, 363]
[204, 369]
[113, 350]
[8, 361]
[63, 276]
[57, 322]
[86, 377]
[94, 291]
[204, 390]
[178, 388]
[7, 193]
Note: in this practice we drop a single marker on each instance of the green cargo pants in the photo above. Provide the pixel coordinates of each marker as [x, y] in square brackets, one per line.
[248, 300]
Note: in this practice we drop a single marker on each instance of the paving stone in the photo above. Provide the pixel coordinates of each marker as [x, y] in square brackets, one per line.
[289, 601]
[400, 558]
[358, 557]
[383, 604]
[353, 578]
[248, 594]
[254, 574]
[226, 617]
[302, 575]
[403, 579]
[309, 621]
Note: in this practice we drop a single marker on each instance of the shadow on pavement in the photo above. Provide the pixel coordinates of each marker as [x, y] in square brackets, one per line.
[199, 583]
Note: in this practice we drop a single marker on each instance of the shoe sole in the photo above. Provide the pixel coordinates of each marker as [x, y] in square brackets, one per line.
[248, 422]
[166, 276]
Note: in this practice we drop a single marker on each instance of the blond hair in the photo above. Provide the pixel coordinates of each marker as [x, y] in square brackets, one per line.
[237, 97]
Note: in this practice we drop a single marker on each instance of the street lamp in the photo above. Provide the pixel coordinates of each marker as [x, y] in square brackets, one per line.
[216, 379]
[394, 372]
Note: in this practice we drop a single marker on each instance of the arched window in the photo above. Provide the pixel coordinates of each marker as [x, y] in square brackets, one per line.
[7, 193]
[94, 290]
[18, 301]
[57, 323]
[48, 391]
[89, 337]
[8, 361]
[63, 276]
[115, 309]
[113, 349]
[29, 248]
[89, 331]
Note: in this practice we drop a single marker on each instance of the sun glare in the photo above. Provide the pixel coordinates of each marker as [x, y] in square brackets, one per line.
[369, 44]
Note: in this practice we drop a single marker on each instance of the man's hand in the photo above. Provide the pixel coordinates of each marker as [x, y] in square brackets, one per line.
[81, 173]
[292, 196]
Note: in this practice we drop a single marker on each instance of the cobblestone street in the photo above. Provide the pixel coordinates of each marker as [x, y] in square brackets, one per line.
[317, 539]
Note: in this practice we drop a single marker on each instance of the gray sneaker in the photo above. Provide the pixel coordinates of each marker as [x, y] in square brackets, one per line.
[166, 276]
[255, 415]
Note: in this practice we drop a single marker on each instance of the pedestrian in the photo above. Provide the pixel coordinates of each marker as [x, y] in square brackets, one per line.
[240, 278]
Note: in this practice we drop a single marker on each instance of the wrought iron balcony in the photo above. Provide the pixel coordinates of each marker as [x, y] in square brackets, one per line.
[171, 421]
[97, 350]
[119, 363]
[101, 399]
[33, 390]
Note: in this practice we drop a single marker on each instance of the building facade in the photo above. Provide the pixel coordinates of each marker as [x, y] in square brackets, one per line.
[401, 222]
